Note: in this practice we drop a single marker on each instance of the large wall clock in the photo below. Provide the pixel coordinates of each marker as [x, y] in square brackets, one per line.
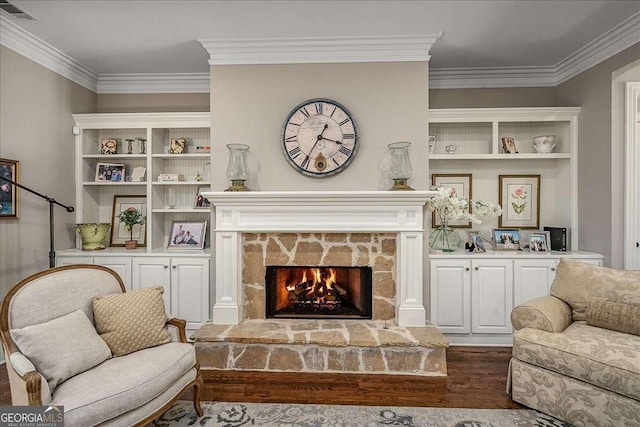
[320, 138]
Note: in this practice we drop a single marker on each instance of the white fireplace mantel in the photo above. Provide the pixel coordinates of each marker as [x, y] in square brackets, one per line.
[319, 211]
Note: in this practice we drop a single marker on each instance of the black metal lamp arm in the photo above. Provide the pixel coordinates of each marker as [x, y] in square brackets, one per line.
[51, 201]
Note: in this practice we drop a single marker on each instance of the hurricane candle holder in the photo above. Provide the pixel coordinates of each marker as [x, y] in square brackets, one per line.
[237, 169]
[400, 170]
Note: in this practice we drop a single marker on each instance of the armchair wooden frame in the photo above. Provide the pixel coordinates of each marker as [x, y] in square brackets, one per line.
[31, 383]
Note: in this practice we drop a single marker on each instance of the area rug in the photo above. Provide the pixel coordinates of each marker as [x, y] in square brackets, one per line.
[284, 414]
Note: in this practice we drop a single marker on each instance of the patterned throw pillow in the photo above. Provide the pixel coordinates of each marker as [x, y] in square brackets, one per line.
[131, 321]
[615, 316]
[577, 283]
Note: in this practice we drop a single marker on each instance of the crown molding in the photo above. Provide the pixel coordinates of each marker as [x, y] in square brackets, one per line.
[490, 77]
[153, 83]
[26, 44]
[315, 50]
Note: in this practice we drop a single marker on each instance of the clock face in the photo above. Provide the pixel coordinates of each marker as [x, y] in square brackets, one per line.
[320, 138]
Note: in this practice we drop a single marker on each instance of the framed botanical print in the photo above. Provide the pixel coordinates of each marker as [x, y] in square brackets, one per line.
[519, 196]
[461, 184]
[9, 200]
[119, 233]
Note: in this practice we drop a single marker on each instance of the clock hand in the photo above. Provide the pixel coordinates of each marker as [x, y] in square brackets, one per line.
[332, 140]
[318, 138]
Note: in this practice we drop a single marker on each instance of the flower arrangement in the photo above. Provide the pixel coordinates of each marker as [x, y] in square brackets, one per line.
[448, 207]
[130, 217]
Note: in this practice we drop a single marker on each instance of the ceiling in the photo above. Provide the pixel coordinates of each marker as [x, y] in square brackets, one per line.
[151, 36]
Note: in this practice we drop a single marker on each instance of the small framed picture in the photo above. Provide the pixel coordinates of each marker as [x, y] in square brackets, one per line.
[109, 146]
[519, 196]
[119, 232]
[461, 184]
[506, 239]
[187, 235]
[540, 241]
[201, 202]
[112, 172]
[475, 240]
[9, 200]
[178, 146]
[509, 145]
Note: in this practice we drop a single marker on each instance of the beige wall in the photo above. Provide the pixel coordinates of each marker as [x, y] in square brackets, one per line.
[35, 112]
[249, 104]
[493, 97]
[597, 197]
[152, 102]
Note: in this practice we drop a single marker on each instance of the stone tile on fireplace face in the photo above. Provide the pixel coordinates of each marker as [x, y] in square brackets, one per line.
[389, 247]
[344, 359]
[383, 285]
[254, 302]
[274, 255]
[382, 263]
[360, 335]
[383, 309]
[285, 359]
[372, 360]
[250, 357]
[405, 359]
[288, 240]
[328, 338]
[307, 253]
[335, 237]
[363, 256]
[253, 262]
[339, 256]
[360, 238]
[263, 332]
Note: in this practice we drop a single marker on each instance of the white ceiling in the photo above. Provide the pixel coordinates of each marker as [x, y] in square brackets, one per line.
[112, 37]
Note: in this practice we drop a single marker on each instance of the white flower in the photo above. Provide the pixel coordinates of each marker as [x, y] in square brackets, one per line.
[449, 207]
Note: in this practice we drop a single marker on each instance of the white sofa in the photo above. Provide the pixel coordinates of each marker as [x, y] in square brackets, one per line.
[133, 389]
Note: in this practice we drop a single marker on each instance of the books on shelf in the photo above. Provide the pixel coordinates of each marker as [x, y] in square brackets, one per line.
[170, 177]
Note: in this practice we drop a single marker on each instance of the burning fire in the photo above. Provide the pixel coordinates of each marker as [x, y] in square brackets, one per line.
[317, 285]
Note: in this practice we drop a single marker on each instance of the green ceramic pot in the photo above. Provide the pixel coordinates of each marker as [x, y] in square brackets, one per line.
[93, 235]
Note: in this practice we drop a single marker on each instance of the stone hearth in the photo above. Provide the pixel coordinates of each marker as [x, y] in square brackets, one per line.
[353, 346]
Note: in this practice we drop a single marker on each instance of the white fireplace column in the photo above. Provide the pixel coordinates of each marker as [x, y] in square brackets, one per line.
[401, 212]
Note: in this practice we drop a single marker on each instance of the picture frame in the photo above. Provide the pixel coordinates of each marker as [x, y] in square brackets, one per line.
[540, 242]
[119, 233]
[519, 196]
[109, 146]
[199, 201]
[178, 146]
[9, 193]
[188, 235]
[509, 145]
[110, 172]
[475, 239]
[506, 239]
[462, 184]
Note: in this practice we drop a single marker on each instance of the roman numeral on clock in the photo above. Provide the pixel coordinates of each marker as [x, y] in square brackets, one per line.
[345, 121]
[344, 150]
[304, 111]
[349, 136]
[319, 107]
[305, 162]
[292, 138]
[294, 152]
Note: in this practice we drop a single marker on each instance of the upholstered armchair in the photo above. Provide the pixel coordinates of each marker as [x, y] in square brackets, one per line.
[58, 352]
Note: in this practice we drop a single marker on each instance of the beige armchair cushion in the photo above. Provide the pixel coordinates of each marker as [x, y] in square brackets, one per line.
[545, 313]
[62, 347]
[578, 283]
[615, 316]
[131, 321]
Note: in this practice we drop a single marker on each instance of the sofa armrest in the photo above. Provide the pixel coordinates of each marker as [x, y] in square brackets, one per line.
[28, 386]
[546, 313]
[176, 328]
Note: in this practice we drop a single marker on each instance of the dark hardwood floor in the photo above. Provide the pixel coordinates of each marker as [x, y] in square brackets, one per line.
[477, 379]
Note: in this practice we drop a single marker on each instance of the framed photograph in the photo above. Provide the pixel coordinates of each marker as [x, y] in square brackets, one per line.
[9, 200]
[119, 232]
[509, 145]
[461, 183]
[201, 202]
[506, 239]
[187, 235]
[540, 241]
[476, 241]
[108, 146]
[110, 172]
[178, 146]
[519, 196]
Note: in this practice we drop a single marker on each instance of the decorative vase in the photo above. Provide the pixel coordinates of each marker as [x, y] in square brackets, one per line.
[444, 238]
[93, 235]
[237, 168]
[400, 165]
[131, 244]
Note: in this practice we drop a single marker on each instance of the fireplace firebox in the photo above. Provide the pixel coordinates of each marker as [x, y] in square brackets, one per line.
[318, 292]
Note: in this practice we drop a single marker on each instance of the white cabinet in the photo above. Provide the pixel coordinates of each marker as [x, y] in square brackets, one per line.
[491, 296]
[185, 281]
[472, 295]
[121, 265]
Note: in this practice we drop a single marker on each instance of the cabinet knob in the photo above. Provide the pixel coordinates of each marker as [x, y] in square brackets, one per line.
[553, 269]
[476, 268]
[466, 268]
[166, 266]
[174, 267]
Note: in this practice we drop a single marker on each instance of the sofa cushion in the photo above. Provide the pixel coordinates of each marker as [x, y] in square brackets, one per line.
[122, 384]
[604, 358]
[131, 321]
[62, 347]
[577, 283]
[615, 316]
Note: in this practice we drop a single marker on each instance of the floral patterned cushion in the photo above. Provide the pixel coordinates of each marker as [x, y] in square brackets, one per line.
[604, 358]
[577, 283]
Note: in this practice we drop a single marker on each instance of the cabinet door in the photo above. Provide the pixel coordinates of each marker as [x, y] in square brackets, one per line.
[70, 260]
[153, 271]
[190, 290]
[450, 284]
[491, 296]
[532, 278]
[122, 266]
